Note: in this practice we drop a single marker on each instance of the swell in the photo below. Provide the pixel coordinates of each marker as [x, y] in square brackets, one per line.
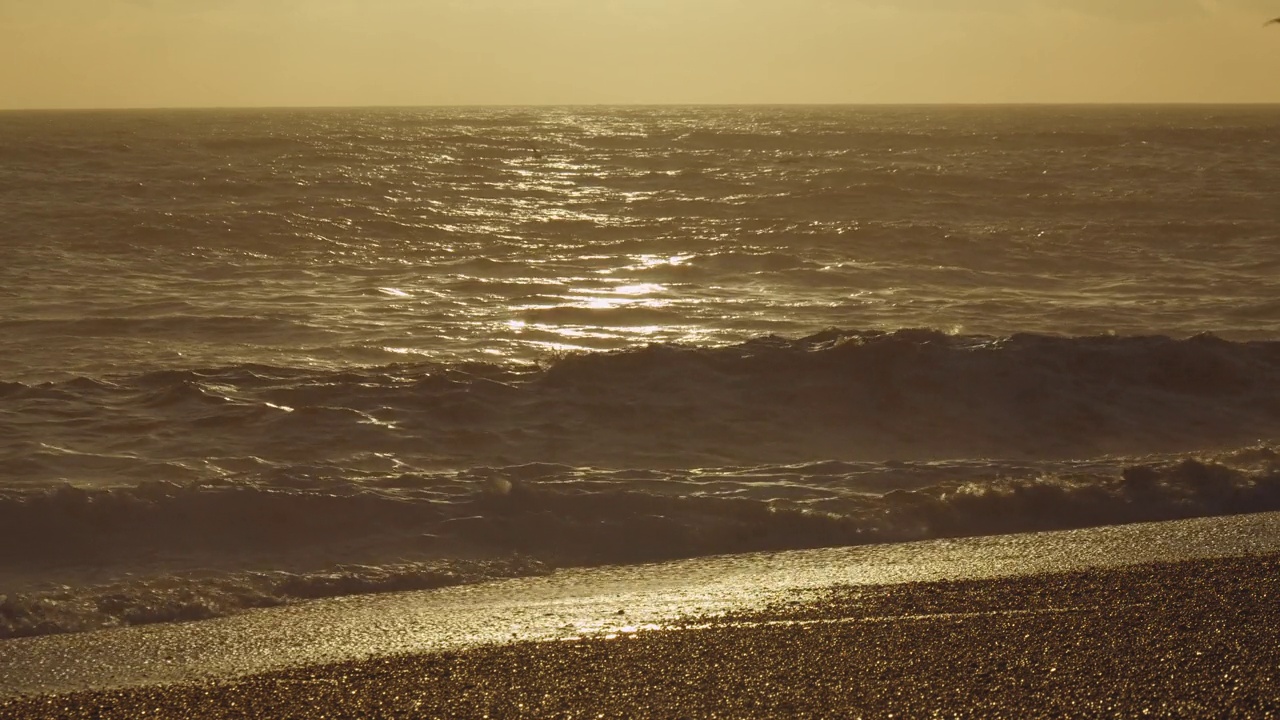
[845, 395]
[261, 545]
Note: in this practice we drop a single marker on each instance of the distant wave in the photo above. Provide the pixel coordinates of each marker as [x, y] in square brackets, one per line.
[603, 317]
[178, 325]
[527, 519]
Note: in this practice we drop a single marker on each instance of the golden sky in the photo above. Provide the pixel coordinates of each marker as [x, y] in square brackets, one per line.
[179, 53]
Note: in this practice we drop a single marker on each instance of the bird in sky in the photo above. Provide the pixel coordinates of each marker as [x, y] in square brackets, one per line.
[1272, 21]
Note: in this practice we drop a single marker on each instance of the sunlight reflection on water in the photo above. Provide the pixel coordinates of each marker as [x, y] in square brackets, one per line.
[739, 222]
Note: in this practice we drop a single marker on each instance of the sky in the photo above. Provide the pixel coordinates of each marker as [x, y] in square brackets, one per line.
[220, 53]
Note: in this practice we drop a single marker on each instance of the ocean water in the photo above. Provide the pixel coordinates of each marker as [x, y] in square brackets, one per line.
[255, 357]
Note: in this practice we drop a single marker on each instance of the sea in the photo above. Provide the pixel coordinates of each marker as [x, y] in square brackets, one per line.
[257, 357]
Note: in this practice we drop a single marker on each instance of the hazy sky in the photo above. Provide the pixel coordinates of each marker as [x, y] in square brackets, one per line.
[145, 53]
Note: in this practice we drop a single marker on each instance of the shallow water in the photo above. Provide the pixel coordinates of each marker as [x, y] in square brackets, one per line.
[251, 357]
[611, 602]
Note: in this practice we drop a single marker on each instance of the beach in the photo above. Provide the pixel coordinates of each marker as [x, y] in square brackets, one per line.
[1103, 634]
[1192, 639]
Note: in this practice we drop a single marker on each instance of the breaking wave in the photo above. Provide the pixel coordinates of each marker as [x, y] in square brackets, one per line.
[843, 395]
[257, 545]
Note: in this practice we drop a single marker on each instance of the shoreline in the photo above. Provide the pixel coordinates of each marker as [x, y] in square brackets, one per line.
[1188, 638]
[585, 602]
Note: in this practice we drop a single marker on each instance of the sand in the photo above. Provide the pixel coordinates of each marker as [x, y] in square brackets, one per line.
[1189, 639]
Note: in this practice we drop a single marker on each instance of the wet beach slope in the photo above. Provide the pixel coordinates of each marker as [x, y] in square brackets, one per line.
[1173, 619]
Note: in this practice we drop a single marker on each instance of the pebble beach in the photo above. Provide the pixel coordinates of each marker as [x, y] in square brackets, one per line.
[1185, 639]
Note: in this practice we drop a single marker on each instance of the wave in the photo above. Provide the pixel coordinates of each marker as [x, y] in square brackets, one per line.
[186, 493]
[623, 316]
[264, 544]
[199, 596]
[845, 395]
[258, 144]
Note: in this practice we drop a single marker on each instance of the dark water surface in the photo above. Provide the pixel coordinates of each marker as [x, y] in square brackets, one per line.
[249, 357]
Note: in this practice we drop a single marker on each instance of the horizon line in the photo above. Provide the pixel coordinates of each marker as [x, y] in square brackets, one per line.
[977, 104]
